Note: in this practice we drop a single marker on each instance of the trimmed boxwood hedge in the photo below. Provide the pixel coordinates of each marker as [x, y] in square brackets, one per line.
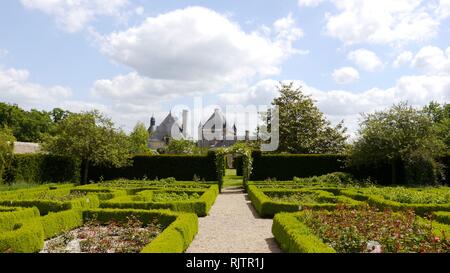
[200, 207]
[442, 217]
[181, 167]
[9, 219]
[239, 165]
[266, 207]
[382, 203]
[26, 237]
[56, 223]
[286, 167]
[180, 228]
[295, 237]
[47, 206]
[40, 168]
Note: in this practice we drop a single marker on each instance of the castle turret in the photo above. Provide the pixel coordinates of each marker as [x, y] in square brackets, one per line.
[152, 128]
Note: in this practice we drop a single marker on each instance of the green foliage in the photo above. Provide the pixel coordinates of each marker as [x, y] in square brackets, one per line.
[89, 138]
[9, 219]
[442, 217]
[27, 237]
[399, 135]
[56, 223]
[200, 206]
[6, 150]
[179, 232]
[286, 167]
[40, 168]
[303, 127]
[182, 147]
[267, 207]
[295, 237]
[440, 115]
[351, 231]
[180, 167]
[139, 140]
[27, 126]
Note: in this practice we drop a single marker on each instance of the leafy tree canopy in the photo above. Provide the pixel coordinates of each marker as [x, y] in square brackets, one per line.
[303, 127]
[90, 138]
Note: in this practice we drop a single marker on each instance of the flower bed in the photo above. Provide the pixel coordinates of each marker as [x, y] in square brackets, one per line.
[113, 237]
[365, 230]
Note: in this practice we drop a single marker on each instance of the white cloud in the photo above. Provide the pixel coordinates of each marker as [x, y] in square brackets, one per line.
[385, 21]
[345, 75]
[344, 105]
[15, 87]
[433, 60]
[365, 59]
[310, 3]
[403, 58]
[136, 89]
[74, 15]
[199, 44]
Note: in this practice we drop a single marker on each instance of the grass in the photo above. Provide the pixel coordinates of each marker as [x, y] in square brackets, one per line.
[231, 179]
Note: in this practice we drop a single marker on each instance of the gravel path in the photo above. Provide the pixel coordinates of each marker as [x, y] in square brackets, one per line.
[233, 226]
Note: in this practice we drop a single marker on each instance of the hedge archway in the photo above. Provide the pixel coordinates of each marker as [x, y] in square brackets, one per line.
[238, 148]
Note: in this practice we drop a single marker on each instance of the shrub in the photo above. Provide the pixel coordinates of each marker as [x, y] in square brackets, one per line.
[295, 237]
[27, 237]
[180, 167]
[180, 229]
[286, 167]
[201, 206]
[56, 223]
[39, 168]
[10, 218]
[239, 165]
[443, 217]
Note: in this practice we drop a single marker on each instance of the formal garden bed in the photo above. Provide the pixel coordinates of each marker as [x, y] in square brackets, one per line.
[364, 230]
[97, 231]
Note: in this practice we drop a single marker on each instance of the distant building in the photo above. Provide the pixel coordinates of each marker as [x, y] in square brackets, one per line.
[166, 131]
[26, 148]
[170, 128]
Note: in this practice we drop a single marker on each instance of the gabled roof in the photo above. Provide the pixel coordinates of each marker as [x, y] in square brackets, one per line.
[165, 129]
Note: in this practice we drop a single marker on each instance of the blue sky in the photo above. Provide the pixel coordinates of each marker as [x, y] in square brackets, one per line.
[133, 58]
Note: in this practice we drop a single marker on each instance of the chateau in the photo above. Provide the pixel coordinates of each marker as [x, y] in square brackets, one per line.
[170, 128]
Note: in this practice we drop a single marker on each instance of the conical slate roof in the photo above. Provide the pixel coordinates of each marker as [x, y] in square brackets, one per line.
[165, 129]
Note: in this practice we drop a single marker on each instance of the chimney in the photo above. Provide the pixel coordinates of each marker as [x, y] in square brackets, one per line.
[185, 122]
[247, 135]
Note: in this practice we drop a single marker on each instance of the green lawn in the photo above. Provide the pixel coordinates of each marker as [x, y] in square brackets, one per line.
[231, 179]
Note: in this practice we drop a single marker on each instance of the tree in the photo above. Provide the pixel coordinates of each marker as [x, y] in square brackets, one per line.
[182, 147]
[440, 115]
[91, 139]
[303, 127]
[6, 149]
[399, 135]
[139, 140]
[27, 126]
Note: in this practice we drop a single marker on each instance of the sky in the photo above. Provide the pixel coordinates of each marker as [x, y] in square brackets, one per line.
[132, 59]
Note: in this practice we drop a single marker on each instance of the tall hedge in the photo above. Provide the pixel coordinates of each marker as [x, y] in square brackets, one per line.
[181, 167]
[239, 165]
[40, 168]
[288, 166]
[446, 162]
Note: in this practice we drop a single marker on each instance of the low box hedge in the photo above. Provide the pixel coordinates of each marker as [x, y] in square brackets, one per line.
[56, 223]
[8, 219]
[442, 217]
[27, 236]
[295, 237]
[180, 228]
[201, 206]
[382, 203]
[266, 207]
[46, 206]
